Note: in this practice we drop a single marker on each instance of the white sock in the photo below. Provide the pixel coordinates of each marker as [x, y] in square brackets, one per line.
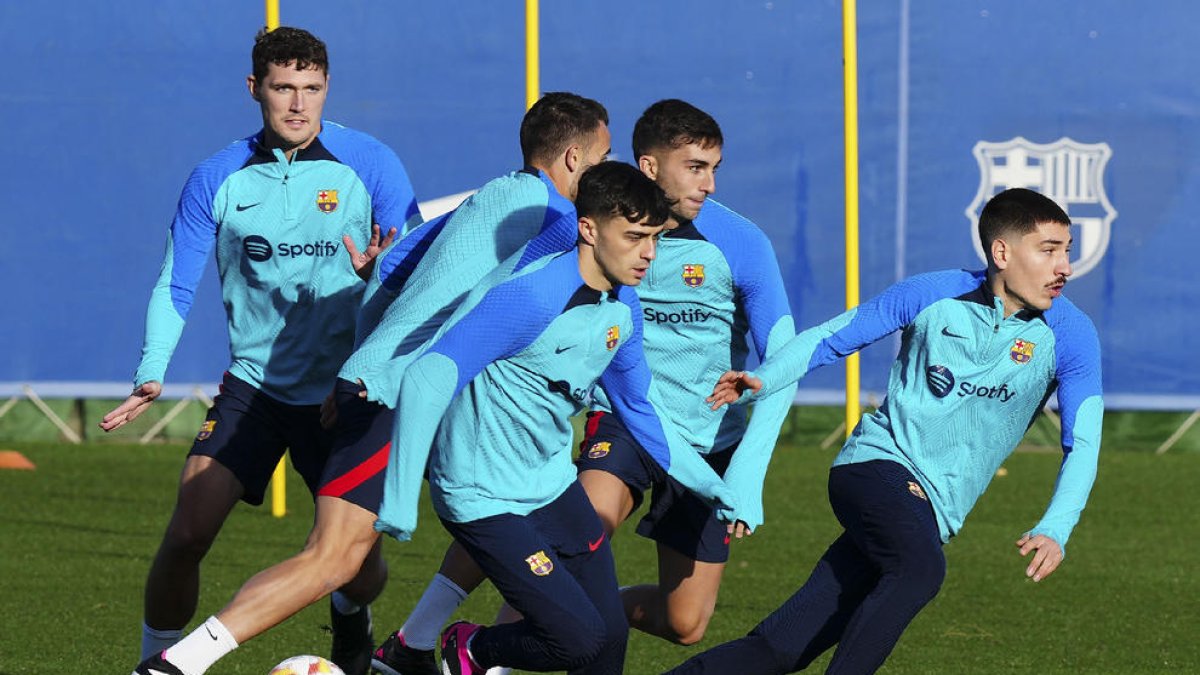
[499, 670]
[202, 647]
[433, 610]
[344, 605]
[154, 640]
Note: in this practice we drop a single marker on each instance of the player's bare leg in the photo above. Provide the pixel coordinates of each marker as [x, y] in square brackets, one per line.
[208, 491]
[610, 497]
[342, 551]
[679, 607]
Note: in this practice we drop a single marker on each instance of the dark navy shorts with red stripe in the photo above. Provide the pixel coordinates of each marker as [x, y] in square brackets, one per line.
[362, 441]
[677, 518]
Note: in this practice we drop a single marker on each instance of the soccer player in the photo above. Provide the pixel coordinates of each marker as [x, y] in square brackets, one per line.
[981, 352]
[420, 281]
[715, 283]
[715, 287]
[275, 206]
[494, 394]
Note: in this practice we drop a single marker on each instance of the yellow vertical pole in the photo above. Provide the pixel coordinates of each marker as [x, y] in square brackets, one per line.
[279, 478]
[533, 88]
[850, 82]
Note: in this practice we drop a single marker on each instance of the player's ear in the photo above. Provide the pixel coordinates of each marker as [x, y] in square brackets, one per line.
[1000, 253]
[649, 166]
[571, 157]
[252, 85]
[587, 230]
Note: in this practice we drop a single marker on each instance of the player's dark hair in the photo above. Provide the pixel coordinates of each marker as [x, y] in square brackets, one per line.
[557, 120]
[1017, 211]
[616, 188]
[285, 45]
[672, 123]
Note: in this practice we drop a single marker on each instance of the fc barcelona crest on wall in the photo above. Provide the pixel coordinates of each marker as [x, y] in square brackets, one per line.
[1067, 171]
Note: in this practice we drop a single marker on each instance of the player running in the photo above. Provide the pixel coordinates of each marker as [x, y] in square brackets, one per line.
[275, 206]
[981, 352]
[714, 285]
[420, 280]
[494, 394]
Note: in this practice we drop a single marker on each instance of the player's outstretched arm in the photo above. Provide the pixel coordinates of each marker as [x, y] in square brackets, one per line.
[364, 261]
[732, 385]
[135, 405]
[1047, 555]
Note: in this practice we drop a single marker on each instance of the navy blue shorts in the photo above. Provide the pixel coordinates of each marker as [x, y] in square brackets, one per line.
[677, 518]
[556, 568]
[247, 431]
[361, 444]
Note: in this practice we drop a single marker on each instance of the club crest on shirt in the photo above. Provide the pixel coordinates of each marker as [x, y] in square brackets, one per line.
[613, 337]
[916, 490]
[327, 200]
[1022, 351]
[206, 429]
[539, 564]
[599, 450]
[693, 275]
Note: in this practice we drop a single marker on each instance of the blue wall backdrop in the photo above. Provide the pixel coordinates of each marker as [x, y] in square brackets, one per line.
[110, 105]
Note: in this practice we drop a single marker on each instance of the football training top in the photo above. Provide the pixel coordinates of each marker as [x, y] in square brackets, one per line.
[290, 293]
[493, 394]
[964, 388]
[714, 283]
[455, 251]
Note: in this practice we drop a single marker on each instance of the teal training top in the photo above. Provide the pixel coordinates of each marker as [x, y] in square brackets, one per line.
[714, 286]
[964, 388]
[290, 293]
[489, 403]
[421, 280]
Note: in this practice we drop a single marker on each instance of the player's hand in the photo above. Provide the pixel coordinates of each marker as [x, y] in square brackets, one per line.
[329, 411]
[1047, 559]
[364, 261]
[135, 405]
[731, 386]
[739, 529]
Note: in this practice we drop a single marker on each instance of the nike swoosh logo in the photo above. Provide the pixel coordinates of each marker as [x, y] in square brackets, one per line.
[243, 207]
[559, 350]
[593, 545]
[947, 333]
[210, 633]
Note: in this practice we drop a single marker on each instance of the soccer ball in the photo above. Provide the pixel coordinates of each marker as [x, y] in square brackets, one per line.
[306, 665]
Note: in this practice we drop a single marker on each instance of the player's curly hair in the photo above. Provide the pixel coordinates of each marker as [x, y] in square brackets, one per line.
[1019, 211]
[558, 119]
[616, 188]
[285, 45]
[672, 123]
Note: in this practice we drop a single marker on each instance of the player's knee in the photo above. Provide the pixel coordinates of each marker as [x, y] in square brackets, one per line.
[687, 629]
[182, 542]
[335, 560]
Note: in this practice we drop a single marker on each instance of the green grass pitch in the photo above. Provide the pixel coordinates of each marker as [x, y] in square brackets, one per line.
[77, 535]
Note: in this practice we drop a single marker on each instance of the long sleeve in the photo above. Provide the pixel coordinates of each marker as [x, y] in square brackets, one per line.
[845, 334]
[190, 241]
[627, 382]
[505, 321]
[761, 293]
[1082, 412]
